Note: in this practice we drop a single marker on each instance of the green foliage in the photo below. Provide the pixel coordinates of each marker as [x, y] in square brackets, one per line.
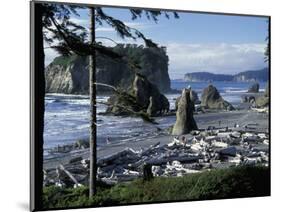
[216, 184]
[65, 61]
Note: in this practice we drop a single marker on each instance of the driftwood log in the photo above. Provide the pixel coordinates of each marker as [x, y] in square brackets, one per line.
[61, 167]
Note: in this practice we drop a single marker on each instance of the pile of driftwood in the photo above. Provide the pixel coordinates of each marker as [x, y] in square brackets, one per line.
[203, 150]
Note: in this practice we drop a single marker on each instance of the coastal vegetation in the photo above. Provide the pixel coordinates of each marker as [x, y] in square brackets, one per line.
[244, 181]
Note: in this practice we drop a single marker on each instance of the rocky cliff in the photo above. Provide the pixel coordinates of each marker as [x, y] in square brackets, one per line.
[70, 74]
[206, 76]
[252, 76]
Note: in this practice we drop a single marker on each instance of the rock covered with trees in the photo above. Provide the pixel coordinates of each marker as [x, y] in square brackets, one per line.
[70, 74]
[143, 96]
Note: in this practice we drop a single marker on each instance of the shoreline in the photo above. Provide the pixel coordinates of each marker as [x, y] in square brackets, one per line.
[240, 117]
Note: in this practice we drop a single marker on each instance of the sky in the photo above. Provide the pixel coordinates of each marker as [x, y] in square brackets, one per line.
[195, 42]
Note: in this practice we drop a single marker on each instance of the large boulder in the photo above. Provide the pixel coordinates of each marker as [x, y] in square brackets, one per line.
[261, 101]
[254, 88]
[185, 121]
[248, 99]
[211, 99]
[142, 96]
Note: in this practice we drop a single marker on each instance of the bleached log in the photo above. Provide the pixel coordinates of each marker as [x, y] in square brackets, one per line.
[225, 129]
[109, 181]
[68, 174]
[237, 160]
[224, 134]
[211, 138]
[235, 134]
[261, 110]
[196, 147]
[112, 159]
[152, 147]
[262, 135]
[130, 172]
[266, 141]
[219, 144]
[161, 161]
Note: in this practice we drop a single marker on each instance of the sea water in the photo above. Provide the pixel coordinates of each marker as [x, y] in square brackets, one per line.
[67, 116]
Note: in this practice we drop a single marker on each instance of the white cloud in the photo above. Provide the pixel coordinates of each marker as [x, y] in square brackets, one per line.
[105, 29]
[216, 58]
[80, 21]
[136, 25]
[50, 55]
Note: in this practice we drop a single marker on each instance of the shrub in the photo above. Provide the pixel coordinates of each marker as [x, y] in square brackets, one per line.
[216, 184]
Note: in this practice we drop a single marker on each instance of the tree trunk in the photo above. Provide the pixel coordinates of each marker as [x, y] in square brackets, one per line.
[92, 92]
[37, 105]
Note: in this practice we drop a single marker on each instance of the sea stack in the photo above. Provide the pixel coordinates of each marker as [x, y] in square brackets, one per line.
[193, 97]
[142, 96]
[185, 121]
[254, 88]
[211, 99]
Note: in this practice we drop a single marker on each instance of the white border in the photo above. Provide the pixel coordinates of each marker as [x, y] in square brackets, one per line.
[14, 112]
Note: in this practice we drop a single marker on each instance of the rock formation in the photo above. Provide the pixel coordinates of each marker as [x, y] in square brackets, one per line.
[261, 101]
[254, 88]
[248, 99]
[70, 74]
[70, 78]
[185, 121]
[193, 97]
[211, 99]
[258, 100]
[143, 96]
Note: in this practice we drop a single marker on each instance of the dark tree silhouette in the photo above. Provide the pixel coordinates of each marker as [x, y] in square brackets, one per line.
[92, 93]
[43, 17]
[124, 31]
[67, 38]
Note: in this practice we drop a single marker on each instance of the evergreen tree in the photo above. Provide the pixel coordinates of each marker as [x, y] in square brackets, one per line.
[67, 37]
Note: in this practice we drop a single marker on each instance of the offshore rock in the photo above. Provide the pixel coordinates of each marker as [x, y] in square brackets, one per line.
[211, 99]
[254, 88]
[185, 121]
[193, 96]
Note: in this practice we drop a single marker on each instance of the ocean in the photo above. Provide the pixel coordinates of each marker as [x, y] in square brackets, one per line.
[67, 116]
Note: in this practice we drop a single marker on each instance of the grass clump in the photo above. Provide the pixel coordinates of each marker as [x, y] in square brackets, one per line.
[215, 184]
